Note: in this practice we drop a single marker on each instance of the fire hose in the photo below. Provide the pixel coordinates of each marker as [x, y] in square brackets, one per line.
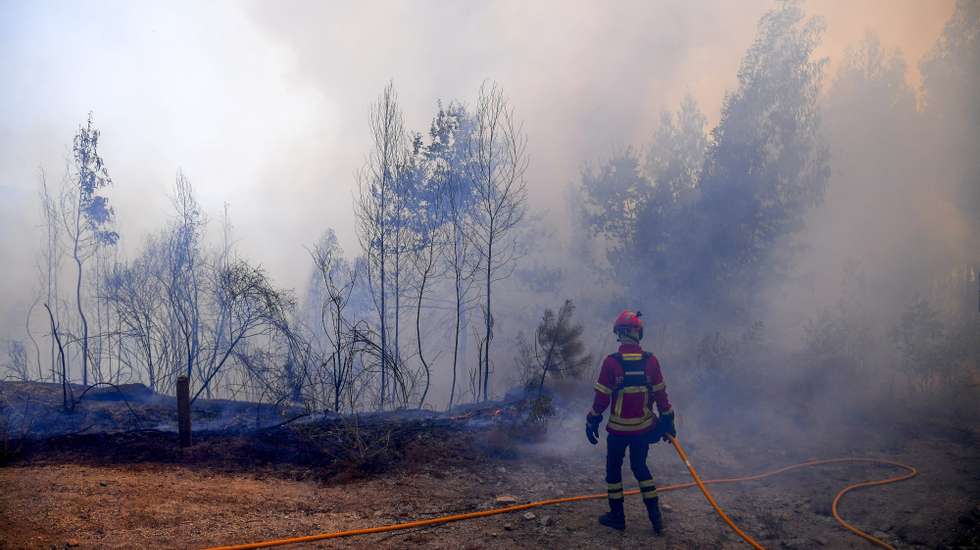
[910, 472]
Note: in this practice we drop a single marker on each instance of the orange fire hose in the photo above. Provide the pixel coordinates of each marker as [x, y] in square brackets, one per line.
[911, 472]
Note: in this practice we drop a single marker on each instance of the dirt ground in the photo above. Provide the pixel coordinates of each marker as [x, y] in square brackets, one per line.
[52, 502]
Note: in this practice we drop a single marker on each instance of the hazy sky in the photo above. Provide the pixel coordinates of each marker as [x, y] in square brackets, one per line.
[264, 105]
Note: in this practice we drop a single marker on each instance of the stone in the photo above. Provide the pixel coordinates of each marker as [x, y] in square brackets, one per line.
[529, 515]
[505, 500]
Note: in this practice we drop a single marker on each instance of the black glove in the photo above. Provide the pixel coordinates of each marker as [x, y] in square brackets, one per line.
[592, 427]
[665, 426]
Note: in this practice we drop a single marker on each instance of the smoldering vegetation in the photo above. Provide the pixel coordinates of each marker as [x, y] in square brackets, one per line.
[807, 264]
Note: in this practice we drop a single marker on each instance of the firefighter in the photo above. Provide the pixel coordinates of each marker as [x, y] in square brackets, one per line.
[631, 381]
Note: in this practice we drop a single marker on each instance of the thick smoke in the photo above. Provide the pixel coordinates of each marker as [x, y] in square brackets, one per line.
[877, 196]
[864, 295]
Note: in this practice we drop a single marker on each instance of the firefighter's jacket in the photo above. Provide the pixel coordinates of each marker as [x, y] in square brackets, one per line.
[631, 380]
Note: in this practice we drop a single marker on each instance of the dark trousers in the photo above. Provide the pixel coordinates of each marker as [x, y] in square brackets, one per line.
[639, 447]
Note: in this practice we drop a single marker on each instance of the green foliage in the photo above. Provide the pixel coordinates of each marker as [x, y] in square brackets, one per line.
[700, 224]
[557, 349]
[871, 81]
[951, 71]
[951, 79]
[91, 176]
[767, 163]
[613, 196]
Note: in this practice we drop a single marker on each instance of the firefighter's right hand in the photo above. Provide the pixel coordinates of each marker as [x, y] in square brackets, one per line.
[592, 427]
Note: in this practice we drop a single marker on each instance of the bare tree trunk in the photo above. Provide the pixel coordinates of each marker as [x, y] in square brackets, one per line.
[488, 318]
[396, 354]
[30, 334]
[384, 328]
[499, 154]
[459, 319]
[339, 373]
[99, 329]
[78, 295]
[374, 213]
[418, 320]
[50, 260]
[61, 355]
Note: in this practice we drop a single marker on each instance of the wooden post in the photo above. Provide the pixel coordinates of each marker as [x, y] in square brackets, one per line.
[184, 410]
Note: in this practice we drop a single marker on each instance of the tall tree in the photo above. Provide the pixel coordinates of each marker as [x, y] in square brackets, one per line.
[87, 216]
[706, 239]
[498, 149]
[951, 84]
[875, 195]
[449, 177]
[183, 277]
[767, 162]
[376, 210]
[673, 163]
[636, 204]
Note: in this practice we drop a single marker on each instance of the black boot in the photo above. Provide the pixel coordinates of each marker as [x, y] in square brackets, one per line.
[653, 512]
[615, 518]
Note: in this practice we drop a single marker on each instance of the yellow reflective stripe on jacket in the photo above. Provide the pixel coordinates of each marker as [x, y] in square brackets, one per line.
[630, 427]
[602, 389]
[658, 387]
[618, 408]
[632, 356]
[615, 419]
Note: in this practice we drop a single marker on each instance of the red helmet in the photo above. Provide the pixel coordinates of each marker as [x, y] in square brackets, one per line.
[628, 322]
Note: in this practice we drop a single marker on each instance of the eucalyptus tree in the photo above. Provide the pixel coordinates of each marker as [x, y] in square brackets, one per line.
[766, 165]
[426, 241]
[86, 215]
[449, 178]
[499, 159]
[378, 212]
[707, 235]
